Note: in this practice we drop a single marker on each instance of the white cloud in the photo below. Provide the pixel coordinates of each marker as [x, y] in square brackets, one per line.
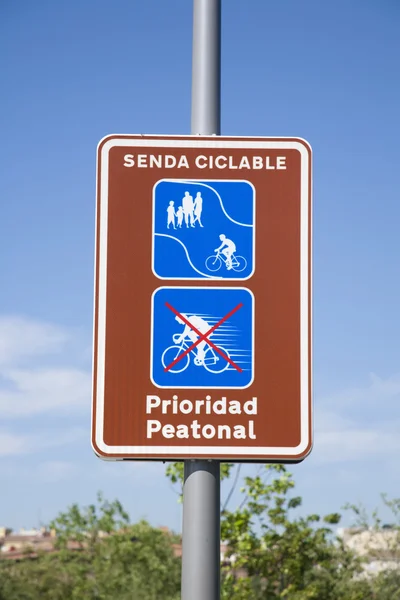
[11, 445]
[28, 389]
[359, 423]
[378, 393]
[44, 390]
[354, 444]
[15, 444]
[22, 338]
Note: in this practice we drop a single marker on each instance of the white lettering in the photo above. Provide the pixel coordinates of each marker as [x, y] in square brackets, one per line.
[244, 163]
[186, 407]
[165, 404]
[199, 404]
[208, 431]
[220, 406]
[182, 431]
[234, 407]
[201, 161]
[281, 162]
[183, 162]
[153, 427]
[169, 161]
[239, 432]
[142, 160]
[195, 430]
[250, 407]
[129, 160]
[252, 435]
[222, 429]
[168, 431]
[219, 164]
[268, 163]
[231, 165]
[156, 161]
[152, 402]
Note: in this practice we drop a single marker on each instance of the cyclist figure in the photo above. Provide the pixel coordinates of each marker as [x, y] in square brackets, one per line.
[226, 251]
[202, 326]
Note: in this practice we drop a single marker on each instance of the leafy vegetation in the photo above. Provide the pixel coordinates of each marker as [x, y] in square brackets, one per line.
[132, 561]
[274, 552]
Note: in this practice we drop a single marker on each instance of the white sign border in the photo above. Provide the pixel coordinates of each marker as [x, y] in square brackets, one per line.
[169, 452]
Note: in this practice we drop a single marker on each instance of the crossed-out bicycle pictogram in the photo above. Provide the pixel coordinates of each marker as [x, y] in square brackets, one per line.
[203, 337]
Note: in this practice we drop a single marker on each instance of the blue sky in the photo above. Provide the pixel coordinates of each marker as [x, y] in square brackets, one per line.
[75, 71]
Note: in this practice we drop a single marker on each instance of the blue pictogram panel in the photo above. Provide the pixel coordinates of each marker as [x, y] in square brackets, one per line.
[202, 337]
[203, 229]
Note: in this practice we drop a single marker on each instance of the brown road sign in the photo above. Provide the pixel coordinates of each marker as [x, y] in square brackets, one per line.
[202, 333]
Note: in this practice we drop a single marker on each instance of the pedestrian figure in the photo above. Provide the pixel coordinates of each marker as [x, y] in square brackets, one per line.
[171, 215]
[198, 208]
[179, 215]
[188, 207]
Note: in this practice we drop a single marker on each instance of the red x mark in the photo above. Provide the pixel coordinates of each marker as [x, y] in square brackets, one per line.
[204, 337]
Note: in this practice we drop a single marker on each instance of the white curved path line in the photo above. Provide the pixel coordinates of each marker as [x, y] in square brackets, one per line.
[215, 192]
[187, 256]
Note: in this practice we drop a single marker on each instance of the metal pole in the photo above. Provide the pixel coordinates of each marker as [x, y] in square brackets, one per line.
[201, 531]
[206, 67]
[201, 488]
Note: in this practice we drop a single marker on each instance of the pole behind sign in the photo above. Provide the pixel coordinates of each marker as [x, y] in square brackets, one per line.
[201, 489]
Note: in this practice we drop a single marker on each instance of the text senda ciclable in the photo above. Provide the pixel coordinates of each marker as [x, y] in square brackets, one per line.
[222, 161]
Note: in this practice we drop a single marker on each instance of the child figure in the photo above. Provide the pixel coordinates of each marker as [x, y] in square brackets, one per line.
[171, 215]
[179, 214]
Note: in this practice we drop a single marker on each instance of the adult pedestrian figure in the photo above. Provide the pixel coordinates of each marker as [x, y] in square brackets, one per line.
[198, 208]
[188, 208]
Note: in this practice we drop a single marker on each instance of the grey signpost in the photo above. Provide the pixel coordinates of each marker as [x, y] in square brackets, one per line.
[201, 490]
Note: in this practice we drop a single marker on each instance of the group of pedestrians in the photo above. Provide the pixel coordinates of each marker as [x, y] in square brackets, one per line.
[189, 212]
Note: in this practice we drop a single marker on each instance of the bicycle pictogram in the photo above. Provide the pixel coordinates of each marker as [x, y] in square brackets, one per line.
[215, 262]
[210, 360]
